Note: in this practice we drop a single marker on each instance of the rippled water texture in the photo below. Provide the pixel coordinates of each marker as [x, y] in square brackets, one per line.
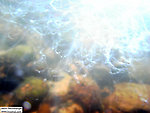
[55, 41]
[89, 31]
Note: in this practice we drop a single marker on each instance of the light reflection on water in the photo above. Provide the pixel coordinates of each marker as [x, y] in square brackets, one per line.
[108, 42]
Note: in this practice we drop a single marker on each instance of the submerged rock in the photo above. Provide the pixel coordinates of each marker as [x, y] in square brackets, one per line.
[5, 99]
[32, 87]
[101, 74]
[68, 107]
[32, 90]
[44, 108]
[13, 34]
[86, 92]
[14, 66]
[22, 53]
[139, 70]
[83, 91]
[128, 98]
[51, 57]
[59, 90]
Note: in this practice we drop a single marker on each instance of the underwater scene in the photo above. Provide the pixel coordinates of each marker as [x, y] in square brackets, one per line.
[75, 56]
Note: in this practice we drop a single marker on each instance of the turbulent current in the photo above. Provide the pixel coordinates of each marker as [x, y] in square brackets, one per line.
[112, 33]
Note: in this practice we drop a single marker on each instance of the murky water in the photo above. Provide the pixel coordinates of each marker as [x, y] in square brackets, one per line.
[71, 56]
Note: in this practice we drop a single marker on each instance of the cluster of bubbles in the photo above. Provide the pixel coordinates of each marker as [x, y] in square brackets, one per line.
[88, 30]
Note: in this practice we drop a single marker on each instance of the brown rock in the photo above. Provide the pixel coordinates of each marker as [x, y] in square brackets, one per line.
[59, 89]
[68, 107]
[86, 92]
[44, 108]
[128, 97]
